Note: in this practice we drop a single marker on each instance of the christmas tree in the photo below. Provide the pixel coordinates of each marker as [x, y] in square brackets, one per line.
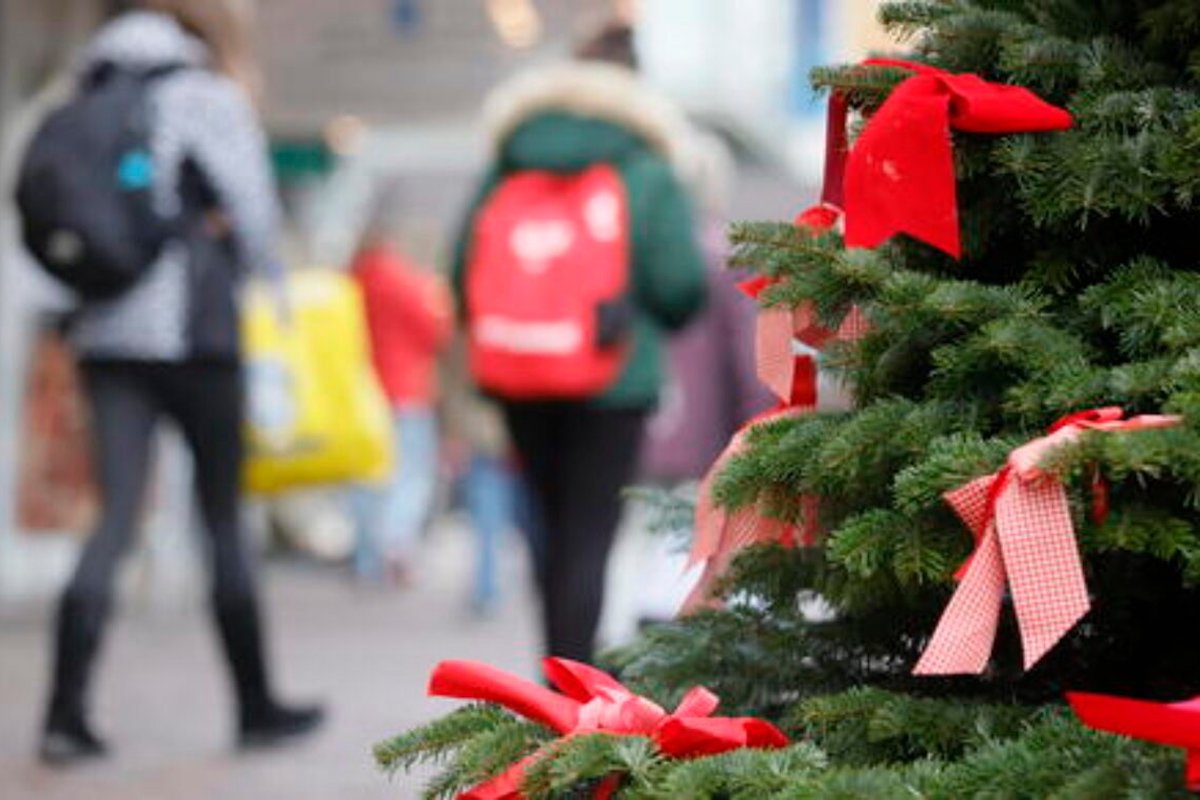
[1071, 282]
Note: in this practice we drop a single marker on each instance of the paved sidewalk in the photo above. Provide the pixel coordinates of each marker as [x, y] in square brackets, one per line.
[162, 698]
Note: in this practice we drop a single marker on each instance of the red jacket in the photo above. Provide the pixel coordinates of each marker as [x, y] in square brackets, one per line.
[409, 315]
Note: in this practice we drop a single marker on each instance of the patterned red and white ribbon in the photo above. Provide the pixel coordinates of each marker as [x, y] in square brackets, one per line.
[720, 534]
[1022, 522]
[792, 375]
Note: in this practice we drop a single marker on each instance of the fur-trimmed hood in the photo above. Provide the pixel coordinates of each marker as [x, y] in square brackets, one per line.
[567, 119]
[599, 91]
[143, 40]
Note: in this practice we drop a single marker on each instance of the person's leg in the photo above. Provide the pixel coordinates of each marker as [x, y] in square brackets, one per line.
[365, 502]
[599, 454]
[534, 429]
[206, 400]
[527, 517]
[123, 414]
[369, 504]
[409, 499]
[489, 495]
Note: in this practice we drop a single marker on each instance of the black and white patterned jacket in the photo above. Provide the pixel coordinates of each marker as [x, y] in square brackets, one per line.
[185, 306]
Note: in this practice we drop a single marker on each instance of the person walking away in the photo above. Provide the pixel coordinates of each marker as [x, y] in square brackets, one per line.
[167, 344]
[492, 488]
[410, 319]
[712, 389]
[577, 254]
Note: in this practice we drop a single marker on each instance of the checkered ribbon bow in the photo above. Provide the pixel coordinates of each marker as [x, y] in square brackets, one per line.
[1026, 541]
[787, 340]
[787, 344]
[721, 535]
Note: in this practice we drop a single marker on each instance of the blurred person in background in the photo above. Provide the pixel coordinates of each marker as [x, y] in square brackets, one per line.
[168, 347]
[712, 387]
[487, 475]
[410, 319]
[579, 453]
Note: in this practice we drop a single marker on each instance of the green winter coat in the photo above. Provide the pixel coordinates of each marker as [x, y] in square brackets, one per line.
[667, 269]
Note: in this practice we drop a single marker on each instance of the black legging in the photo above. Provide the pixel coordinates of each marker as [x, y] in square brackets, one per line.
[127, 402]
[578, 459]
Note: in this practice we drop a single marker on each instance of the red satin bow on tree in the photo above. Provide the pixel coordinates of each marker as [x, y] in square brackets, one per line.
[900, 174]
[1172, 724]
[591, 701]
[1026, 540]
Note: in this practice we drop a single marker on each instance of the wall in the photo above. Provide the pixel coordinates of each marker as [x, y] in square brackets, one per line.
[321, 62]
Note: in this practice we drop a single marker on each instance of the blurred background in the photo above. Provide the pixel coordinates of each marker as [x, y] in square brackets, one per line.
[358, 92]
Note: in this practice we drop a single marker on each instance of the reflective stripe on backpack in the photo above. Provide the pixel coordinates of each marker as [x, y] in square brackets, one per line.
[550, 256]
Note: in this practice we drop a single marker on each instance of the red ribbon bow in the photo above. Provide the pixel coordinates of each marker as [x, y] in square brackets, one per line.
[590, 701]
[1172, 724]
[900, 175]
[1022, 522]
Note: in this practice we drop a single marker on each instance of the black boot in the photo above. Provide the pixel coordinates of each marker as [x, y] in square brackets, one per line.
[67, 738]
[261, 720]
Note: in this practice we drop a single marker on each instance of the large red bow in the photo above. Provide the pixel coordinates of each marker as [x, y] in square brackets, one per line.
[1022, 522]
[590, 701]
[1173, 724]
[900, 175]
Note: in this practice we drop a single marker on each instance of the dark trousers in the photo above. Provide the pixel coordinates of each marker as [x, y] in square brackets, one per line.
[577, 458]
[127, 402]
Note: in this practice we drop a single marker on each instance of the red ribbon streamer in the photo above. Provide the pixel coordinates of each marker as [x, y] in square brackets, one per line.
[1172, 724]
[792, 376]
[591, 701]
[1022, 521]
[900, 173]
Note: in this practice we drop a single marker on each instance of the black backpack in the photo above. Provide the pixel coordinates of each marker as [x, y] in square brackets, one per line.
[86, 184]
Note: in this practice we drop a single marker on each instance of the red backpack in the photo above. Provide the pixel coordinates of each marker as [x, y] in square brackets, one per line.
[550, 253]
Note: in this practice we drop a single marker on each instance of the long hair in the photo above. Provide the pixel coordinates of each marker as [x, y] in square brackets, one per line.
[225, 26]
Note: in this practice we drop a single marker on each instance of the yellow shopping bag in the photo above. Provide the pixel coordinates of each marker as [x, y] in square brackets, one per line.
[315, 411]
